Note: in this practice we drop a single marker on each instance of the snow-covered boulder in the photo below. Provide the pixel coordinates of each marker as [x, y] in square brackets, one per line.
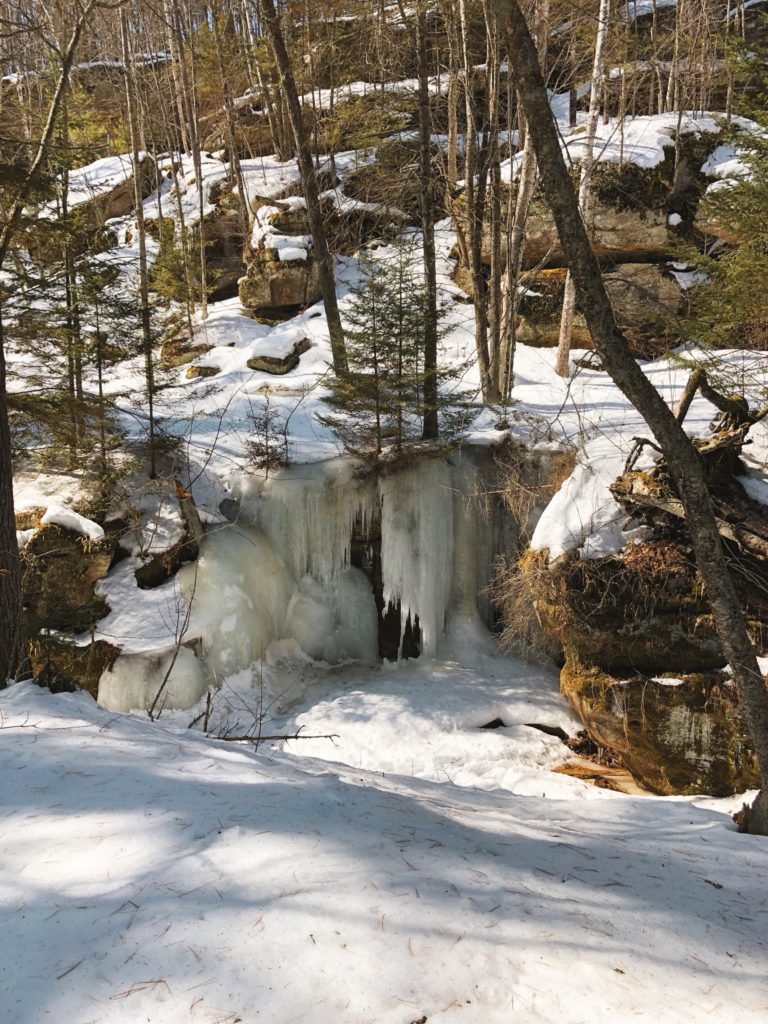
[104, 189]
[278, 359]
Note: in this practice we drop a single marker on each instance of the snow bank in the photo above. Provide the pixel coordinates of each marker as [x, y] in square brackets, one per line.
[638, 140]
[61, 515]
[151, 874]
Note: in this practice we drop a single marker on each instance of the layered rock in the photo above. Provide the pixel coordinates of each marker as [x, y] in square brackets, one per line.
[621, 232]
[643, 295]
[59, 569]
[676, 734]
[119, 200]
[274, 284]
[625, 625]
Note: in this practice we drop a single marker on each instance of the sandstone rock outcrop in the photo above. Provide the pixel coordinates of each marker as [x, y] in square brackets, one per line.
[643, 666]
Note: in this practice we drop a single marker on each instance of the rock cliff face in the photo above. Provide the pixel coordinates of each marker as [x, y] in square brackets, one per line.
[272, 284]
[59, 570]
[643, 296]
[638, 217]
[643, 665]
[628, 223]
[676, 734]
[281, 273]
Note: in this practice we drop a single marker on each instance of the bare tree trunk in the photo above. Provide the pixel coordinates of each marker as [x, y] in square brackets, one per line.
[526, 184]
[309, 186]
[146, 327]
[229, 111]
[427, 202]
[178, 90]
[682, 458]
[452, 158]
[474, 192]
[562, 363]
[493, 88]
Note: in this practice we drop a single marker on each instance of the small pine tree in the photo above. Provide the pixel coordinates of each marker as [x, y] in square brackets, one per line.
[378, 406]
[267, 444]
[730, 307]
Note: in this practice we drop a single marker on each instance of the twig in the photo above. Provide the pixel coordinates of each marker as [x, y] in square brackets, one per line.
[259, 738]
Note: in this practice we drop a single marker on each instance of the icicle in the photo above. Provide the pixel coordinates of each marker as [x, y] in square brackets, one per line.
[309, 511]
[417, 546]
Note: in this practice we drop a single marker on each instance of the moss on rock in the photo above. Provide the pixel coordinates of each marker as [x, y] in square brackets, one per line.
[675, 735]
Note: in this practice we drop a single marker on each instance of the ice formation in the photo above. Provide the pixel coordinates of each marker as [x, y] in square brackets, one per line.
[417, 545]
[280, 577]
[134, 681]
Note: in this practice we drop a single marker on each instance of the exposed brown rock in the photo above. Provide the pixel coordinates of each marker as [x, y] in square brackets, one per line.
[179, 352]
[280, 365]
[279, 284]
[194, 372]
[63, 667]
[684, 736]
[59, 568]
[643, 295]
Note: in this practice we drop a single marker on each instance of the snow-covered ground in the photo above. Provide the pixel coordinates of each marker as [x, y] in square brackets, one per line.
[151, 874]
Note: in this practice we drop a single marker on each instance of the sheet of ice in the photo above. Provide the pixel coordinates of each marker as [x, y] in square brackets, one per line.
[149, 873]
[417, 546]
[135, 681]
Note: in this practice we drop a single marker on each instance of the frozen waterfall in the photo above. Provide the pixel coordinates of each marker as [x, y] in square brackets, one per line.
[282, 575]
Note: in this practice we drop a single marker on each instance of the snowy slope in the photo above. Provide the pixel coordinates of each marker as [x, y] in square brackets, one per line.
[152, 875]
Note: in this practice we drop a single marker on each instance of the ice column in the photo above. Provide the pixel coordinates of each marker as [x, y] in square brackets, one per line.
[417, 545]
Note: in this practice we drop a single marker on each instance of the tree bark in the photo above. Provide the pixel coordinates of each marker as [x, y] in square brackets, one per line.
[475, 167]
[526, 184]
[146, 326]
[309, 186]
[684, 463]
[427, 202]
[585, 195]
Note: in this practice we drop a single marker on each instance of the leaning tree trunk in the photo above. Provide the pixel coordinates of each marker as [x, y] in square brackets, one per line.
[683, 461]
[309, 186]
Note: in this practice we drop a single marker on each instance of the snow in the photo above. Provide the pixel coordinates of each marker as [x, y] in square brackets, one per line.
[60, 515]
[639, 140]
[643, 8]
[725, 164]
[415, 865]
[151, 874]
[96, 179]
